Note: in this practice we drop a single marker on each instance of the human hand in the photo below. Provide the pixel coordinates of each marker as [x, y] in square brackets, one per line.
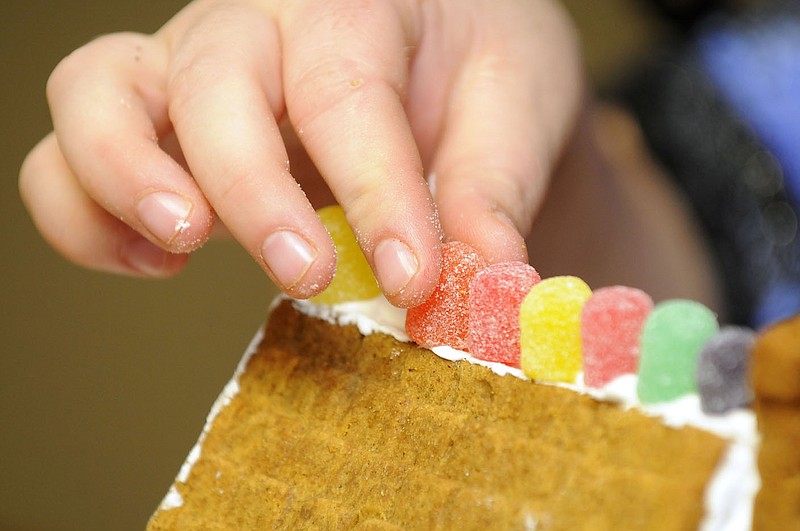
[157, 136]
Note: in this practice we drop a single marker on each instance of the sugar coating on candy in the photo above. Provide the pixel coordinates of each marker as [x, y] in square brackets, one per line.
[353, 280]
[550, 329]
[611, 324]
[722, 370]
[672, 337]
[495, 296]
[443, 318]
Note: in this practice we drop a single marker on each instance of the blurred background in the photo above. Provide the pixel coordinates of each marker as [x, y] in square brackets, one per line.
[105, 381]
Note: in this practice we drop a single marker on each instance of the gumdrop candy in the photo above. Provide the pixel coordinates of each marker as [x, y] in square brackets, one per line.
[354, 280]
[611, 325]
[671, 340]
[722, 370]
[775, 364]
[495, 296]
[550, 329]
[443, 318]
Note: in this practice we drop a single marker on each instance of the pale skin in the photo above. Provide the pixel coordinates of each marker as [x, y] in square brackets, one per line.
[224, 111]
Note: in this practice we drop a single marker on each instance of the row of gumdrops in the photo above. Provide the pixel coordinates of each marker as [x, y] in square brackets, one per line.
[557, 329]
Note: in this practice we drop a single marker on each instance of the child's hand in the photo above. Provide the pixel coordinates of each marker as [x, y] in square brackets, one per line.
[156, 136]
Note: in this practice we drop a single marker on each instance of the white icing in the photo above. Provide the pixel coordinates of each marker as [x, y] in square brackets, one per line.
[731, 492]
[370, 316]
[449, 353]
[729, 495]
[172, 500]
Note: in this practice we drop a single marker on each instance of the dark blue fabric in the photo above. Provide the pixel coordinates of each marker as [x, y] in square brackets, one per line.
[755, 64]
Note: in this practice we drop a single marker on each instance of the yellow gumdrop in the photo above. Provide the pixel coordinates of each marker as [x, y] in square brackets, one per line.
[353, 280]
[550, 329]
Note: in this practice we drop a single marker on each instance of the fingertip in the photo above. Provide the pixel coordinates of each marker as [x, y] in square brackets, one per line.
[402, 242]
[299, 265]
[395, 265]
[487, 228]
[406, 277]
[499, 239]
[144, 258]
[175, 221]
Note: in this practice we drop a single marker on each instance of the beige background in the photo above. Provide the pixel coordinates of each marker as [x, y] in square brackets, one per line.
[105, 381]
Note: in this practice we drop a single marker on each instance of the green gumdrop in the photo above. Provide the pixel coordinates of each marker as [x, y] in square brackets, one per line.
[353, 280]
[672, 338]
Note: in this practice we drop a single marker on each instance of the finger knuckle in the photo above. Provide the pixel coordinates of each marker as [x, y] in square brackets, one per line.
[320, 87]
[196, 75]
[100, 53]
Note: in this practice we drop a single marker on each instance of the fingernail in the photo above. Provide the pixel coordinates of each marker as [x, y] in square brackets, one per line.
[145, 257]
[164, 214]
[396, 265]
[288, 256]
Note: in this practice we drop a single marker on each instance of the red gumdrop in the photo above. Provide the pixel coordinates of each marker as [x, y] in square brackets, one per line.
[611, 325]
[495, 296]
[442, 319]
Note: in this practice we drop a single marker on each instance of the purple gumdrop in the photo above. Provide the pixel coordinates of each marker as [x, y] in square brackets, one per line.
[722, 370]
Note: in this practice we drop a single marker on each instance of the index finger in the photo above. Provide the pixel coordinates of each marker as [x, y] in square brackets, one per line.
[345, 69]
